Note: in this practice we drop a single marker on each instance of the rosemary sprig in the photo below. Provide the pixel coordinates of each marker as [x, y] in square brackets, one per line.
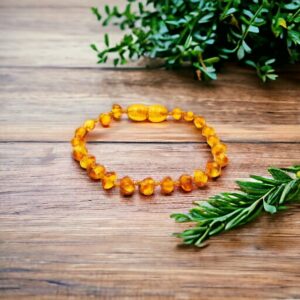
[226, 211]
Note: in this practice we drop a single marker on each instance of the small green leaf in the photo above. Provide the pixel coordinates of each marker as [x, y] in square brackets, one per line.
[269, 208]
[278, 174]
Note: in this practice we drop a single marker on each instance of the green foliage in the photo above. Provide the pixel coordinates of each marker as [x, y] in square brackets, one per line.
[226, 211]
[259, 33]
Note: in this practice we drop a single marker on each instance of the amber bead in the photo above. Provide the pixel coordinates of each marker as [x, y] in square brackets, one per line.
[222, 159]
[79, 152]
[199, 122]
[105, 119]
[213, 140]
[89, 125]
[77, 142]
[96, 172]
[186, 182]
[137, 112]
[157, 113]
[116, 111]
[109, 180]
[167, 185]
[87, 161]
[213, 169]
[207, 131]
[147, 186]
[188, 116]
[177, 114]
[127, 186]
[219, 148]
[200, 178]
[80, 132]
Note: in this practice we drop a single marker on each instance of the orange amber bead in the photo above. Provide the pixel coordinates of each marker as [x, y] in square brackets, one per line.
[80, 132]
[127, 186]
[77, 142]
[96, 172]
[222, 159]
[213, 169]
[186, 182]
[200, 178]
[109, 180]
[213, 140]
[199, 122]
[188, 116]
[137, 112]
[116, 111]
[207, 131]
[105, 119]
[157, 113]
[79, 152]
[219, 148]
[177, 114]
[147, 186]
[87, 161]
[167, 185]
[89, 125]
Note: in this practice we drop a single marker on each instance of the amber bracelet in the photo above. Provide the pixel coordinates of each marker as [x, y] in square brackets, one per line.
[154, 113]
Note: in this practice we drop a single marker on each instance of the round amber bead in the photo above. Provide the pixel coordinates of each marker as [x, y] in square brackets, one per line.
[80, 132]
[167, 185]
[186, 182]
[96, 172]
[199, 122]
[77, 142]
[109, 180]
[105, 119]
[137, 112]
[127, 186]
[222, 159]
[147, 186]
[200, 178]
[177, 114]
[79, 152]
[219, 148]
[116, 111]
[207, 131]
[213, 140]
[188, 116]
[157, 113]
[87, 161]
[213, 169]
[89, 125]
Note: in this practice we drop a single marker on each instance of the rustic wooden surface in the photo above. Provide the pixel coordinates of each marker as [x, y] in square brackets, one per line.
[62, 237]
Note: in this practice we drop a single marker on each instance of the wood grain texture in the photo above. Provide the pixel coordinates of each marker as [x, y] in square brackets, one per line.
[63, 237]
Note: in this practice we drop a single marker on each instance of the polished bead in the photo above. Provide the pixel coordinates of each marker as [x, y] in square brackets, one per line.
[186, 182]
[137, 112]
[116, 111]
[222, 159]
[147, 186]
[207, 131]
[87, 161]
[200, 178]
[77, 142]
[127, 186]
[105, 119]
[199, 122]
[79, 152]
[213, 140]
[109, 180]
[80, 132]
[188, 116]
[213, 169]
[157, 113]
[96, 172]
[177, 114]
[89, 125]
[167, 185]
[218, 148]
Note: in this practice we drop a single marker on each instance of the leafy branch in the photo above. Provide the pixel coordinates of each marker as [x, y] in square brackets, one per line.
[226, 211]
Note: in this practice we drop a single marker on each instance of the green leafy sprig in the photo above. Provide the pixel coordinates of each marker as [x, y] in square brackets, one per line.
[204, 33]
[226, 211]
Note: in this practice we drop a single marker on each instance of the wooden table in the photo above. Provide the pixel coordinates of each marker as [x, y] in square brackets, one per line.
[62, 237]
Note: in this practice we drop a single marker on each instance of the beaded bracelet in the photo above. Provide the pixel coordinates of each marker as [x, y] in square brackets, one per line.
[154, 113]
